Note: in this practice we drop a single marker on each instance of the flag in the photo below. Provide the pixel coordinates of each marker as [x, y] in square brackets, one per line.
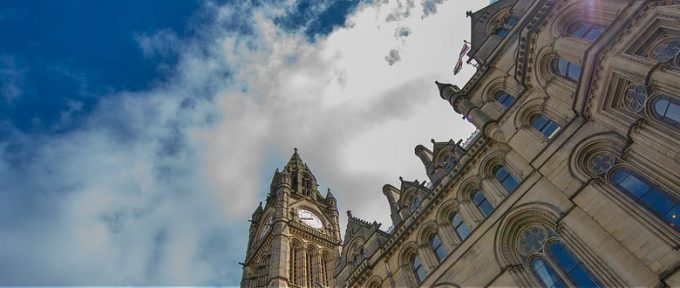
[463, 52]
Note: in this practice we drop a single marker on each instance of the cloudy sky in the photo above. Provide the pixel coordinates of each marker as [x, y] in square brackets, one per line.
[137, 137]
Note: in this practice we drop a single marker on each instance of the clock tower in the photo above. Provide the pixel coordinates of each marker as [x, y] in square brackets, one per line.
[294, 239]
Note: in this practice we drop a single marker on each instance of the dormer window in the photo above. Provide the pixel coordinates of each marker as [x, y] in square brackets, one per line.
[448, 162]
[501, 32]
[413, 205]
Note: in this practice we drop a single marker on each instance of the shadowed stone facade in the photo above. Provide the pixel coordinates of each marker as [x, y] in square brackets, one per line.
[572, 179]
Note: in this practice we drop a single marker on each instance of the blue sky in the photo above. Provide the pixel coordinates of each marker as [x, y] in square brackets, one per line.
[136, 137]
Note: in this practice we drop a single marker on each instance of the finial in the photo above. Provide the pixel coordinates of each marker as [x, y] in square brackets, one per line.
[432, 140]
[468, 13]
[401, 179]
[349, 213]
[295, 150]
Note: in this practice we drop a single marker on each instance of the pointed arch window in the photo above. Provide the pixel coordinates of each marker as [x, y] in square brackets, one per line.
[585, 30]
[665, 206]
[437, 247]
[503, 176]
[482, 204]
[544, 125]
[666, 109]
[462, 230]
[566, 69]
[418, 269]
[504, 98]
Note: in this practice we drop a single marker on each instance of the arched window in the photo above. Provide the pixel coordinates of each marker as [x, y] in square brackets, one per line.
[667, 109]
[413, 205]
[551, 261]
[545, 273]
[437, 247]
[504, 98]
[311, 268]
[572, 267]
[325, 269]
[511, 21]
[462, 230]
[566, 69]
[418, 268]
[297, 265]
[482, 204]
[585, 30]
[505, 178]
[664, 205]
[544, 125]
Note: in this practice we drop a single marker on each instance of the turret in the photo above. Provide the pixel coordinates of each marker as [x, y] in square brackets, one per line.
[462, 105]
[425, 156]
[393, 194]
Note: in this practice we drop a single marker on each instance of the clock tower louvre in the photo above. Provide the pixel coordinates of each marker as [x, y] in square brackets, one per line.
[295, 238]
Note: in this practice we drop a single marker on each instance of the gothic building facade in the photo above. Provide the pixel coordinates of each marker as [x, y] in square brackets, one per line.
[572, 179]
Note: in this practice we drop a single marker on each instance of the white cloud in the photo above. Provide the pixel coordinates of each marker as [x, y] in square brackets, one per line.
[157, 186]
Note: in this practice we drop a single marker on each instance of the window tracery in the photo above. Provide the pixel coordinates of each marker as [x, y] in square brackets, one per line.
[601, 163]
[551, 261]
[636, 97]
[666, 50]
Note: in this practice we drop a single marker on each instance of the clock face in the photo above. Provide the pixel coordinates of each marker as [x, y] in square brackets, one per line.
[267, 226]
[309, 218]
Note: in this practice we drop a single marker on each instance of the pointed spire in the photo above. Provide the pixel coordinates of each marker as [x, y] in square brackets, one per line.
[446, 90]
[295, 159]
[329, 195]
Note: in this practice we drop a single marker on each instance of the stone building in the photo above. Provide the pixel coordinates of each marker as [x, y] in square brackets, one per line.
[573, 178]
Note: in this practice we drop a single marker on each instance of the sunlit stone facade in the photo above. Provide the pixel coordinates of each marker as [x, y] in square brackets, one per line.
[573, 178]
